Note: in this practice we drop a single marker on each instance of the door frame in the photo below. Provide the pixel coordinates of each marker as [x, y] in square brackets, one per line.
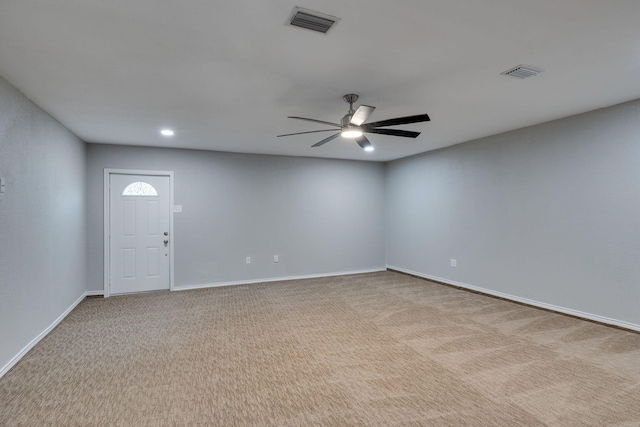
[107, 223]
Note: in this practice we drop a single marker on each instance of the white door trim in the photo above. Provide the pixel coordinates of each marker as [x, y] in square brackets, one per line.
[106, 262]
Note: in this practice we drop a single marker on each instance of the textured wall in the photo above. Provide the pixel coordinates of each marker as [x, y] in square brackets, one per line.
[319, 216]
[550, 213]
[42, 221]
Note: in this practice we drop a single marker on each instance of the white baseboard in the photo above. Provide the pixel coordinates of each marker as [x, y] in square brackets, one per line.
[40, 336]
[94, 293]
[275, 279]
[552, 307]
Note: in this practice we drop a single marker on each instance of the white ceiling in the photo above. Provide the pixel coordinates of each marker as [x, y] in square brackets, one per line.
[226, 74]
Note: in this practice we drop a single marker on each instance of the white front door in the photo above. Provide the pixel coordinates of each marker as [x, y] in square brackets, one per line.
[139, 221]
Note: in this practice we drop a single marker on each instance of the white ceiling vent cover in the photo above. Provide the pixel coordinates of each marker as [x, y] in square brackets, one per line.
[522, 71]
[310, 20]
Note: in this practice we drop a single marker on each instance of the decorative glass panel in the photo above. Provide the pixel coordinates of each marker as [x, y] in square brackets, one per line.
[140, 189]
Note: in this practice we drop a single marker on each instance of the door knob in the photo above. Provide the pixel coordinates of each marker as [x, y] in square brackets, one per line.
[166, 242]
[166, 233]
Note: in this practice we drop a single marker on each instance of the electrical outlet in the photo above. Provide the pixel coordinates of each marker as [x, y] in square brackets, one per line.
[454, 263]
[248, 260]
[276, 259]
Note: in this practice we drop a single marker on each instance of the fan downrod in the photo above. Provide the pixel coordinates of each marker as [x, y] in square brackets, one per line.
[350, 98]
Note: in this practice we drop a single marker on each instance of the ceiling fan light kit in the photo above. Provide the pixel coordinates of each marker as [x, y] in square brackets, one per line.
[353, 126]
[350, 131]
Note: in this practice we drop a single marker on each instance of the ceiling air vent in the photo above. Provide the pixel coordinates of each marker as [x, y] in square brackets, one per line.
[310, 20]
[522, 71]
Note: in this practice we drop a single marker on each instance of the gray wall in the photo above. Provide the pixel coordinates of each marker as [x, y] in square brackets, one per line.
[42, 221]
[318, 215]
[550, 213]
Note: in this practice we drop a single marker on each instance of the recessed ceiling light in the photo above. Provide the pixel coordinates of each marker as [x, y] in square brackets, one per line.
[166, 132]
[369, 148]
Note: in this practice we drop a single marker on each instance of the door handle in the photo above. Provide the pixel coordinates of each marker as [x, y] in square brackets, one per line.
[166, 242]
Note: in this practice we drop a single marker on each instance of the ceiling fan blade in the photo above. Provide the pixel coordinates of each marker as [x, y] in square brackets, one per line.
[315, 121]
[324, 141]
[394, 132]
[399, 121]
[362, 114]
[363, 142]
[311, 131]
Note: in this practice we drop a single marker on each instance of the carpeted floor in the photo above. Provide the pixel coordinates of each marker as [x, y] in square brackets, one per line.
[381, 349]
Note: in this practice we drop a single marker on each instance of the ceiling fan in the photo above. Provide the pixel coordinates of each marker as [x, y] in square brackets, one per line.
[353, 125]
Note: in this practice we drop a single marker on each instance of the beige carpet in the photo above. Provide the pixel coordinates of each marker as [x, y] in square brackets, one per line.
[380, 349]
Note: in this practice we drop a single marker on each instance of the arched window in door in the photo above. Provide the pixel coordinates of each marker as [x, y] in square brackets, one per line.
[140, 188]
